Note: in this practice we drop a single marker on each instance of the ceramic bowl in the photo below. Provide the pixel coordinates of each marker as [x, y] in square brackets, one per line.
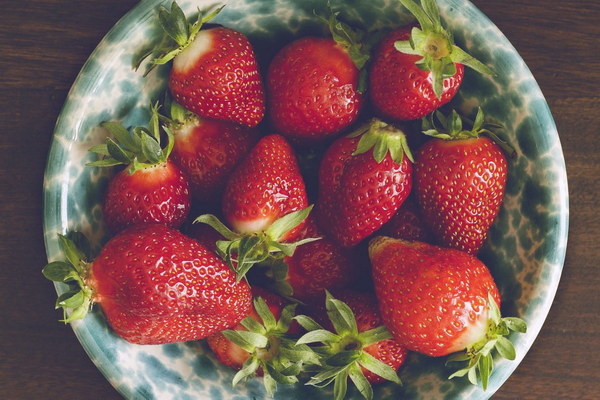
[525, 250]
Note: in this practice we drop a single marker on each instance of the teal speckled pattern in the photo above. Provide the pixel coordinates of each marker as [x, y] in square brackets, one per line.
[525, 251]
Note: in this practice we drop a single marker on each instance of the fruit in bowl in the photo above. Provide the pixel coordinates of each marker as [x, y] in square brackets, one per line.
[523, 250]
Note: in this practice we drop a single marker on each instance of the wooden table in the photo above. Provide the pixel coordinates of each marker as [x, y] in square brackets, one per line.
[44, 43]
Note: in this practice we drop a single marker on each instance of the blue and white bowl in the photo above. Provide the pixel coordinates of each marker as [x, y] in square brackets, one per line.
[525, 250]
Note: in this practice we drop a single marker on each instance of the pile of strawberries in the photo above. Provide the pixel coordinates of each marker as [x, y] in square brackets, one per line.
[283, 217]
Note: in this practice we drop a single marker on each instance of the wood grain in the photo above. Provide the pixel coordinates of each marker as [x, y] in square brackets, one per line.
[44, 44]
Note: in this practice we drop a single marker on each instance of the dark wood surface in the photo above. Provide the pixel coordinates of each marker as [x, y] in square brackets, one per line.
[43, 45]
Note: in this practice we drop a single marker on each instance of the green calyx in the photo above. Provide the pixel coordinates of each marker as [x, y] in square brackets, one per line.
[451, 127]
[353, 40]
[270, 348]
[241, 251]
[73, 272]
[138, 148]
[341, 352]
[435, 45]
[479, 356]
[382, 138]
[180, 33]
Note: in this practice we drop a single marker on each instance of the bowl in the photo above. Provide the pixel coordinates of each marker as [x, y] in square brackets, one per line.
[526, 246]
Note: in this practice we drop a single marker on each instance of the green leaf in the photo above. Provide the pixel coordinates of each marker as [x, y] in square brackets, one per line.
[344, 358]
[431, 9]
[151, 149]
[365, 143]
[270, 384]
[72, 253]
[460, 56]
[515, 324]
[325, 376]
[118, 153]
[276, 374]
[100, 149]
[58, 271]
[286, 223]
[300, 352]
[263, 311]
[479, 119]
[404, 46]
[71, 299]
[308, 323]
[494, 311]
[238, 339]
[79, 312]
[255, 339]
[472, 375]
[375, 335]
[361, 383]
[104, 163]
[318, 336]
[458, 357]
[217, 225]
[122, 135]
[485, 366]
[340, 385]
[378, 367]
[286, 318]
[174, 23]
[505, 348]
[419, 14]
[341, 316]
[248, 370]
[253, 325]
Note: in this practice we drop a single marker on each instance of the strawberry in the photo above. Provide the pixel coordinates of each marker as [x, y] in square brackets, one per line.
[317, 266]
[407, 223]
[260, 344]
[313, 84]
[207, 151]
[151, 188]
[460, 179]
[153, 284]
[360, 189]
[439, 301]
[359, 346]
[265, 205]
[214, 71]
[416, 70]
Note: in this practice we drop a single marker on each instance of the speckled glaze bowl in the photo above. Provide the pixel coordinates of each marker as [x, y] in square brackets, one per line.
[525, 250]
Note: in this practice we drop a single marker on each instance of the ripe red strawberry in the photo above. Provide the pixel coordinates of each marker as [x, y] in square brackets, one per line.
[214, 71]
[151, 188]
[319, 265]
[407, 223]
[265, 186]
[154, 285]
[207, 151]
[439, 301]
[360, 189]
[416, 70]
[313, 85]
[265, 205]
[355, 344]
[460, 178]
[260, 344]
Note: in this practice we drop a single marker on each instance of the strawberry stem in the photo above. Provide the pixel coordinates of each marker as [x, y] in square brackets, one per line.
[383, 138]
[439, 126]
[242, 251]
[280, 359]
[73, 272]
[436, 45]
[479, 358]
[341, 352]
